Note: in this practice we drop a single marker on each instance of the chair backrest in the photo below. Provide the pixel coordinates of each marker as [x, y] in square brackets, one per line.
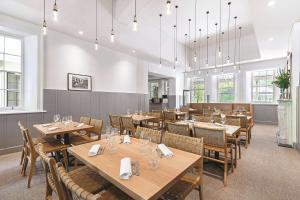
[85, 120]
[181, 129]
[184, 143]
[233, 122]
[169, 115]
[127, 123]
[29, 145]
[208, 112]
[115, 121]
[243, 120]
[155, 135]
[75, 189]
[172, 110]
[200, 118]
[97, 127]
[52, 179]
[211, 136]
[184, 109]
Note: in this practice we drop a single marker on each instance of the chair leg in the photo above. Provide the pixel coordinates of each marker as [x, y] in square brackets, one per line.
[231, 158]
[22, 157]
[48, 191]
[24, 166]
[32, 169]
[200, 192]
[235, 152]
[225, 170]
[65, 157]
[240, 153]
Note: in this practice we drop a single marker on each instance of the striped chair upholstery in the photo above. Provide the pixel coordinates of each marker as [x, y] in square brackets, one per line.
[181, 129]
[127, 124]
[200, 118]
[115, 121]
[155, 135]
[85, 120]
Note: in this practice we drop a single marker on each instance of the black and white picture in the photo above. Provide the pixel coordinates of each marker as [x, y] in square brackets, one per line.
[79, 82]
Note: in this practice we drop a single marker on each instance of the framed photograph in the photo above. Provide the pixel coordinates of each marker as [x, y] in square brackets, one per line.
[79, 82]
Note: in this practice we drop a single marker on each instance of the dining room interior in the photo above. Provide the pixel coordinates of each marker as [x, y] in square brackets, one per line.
[149, 99]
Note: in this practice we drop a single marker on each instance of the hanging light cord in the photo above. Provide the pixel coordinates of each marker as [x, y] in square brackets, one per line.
[222, 49]
[44, 11]
[96, 20]
[234, 58]
[112, 15]
[185, 51]
[220, 29]
[134, 8]
[189, 41]
[216, 50]
[195, 41]
[160, 15]
[200, 36]
[207, 37]
[240, 36]
[176, 33]
[229, 3]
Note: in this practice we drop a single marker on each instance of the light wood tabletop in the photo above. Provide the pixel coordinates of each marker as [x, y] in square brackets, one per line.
[61, 128]
[141, 118]
[150, 184]
[230, 130]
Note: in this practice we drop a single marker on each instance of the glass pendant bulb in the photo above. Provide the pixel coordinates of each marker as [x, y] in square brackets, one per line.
[160, 64]
[96, 45]
[199, 72]
[216, 69]
[234, 66]
[176, 61]
[112, 37]
[168, 7]
[44, 28]
[195, 58]
[207, 73]
[206, 64]
[55, 12]
[174, 69]
[228, 60]
[135, 24]
[220, 53]
[239, 70]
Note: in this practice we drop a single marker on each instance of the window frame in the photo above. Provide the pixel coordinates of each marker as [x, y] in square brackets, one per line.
[21, 90]
[218, 89]
[273, 87]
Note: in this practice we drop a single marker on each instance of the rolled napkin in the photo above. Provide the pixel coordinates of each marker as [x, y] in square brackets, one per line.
[221, 125]
[94, 150]
[126, 139]
[80, 125]
[45, 125]
[53, 128]
[165, 150]
[125, 168]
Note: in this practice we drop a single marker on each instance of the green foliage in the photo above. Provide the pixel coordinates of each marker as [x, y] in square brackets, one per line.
[282, 80]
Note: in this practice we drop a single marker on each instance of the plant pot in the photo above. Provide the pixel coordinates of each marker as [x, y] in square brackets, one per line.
[282, 93]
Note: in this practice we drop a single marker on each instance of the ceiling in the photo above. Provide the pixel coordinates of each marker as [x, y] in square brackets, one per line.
[265, 28]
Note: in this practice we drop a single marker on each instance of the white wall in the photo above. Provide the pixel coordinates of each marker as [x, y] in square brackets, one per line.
[242, 79]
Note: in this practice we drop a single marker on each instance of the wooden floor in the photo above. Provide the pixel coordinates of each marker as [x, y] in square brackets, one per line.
[265, 172]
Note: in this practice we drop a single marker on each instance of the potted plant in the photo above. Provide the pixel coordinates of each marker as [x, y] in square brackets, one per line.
[282, 81]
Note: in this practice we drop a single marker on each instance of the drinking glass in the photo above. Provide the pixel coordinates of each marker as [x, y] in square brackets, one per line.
[212, 118]
[223, 118]
[153, 161]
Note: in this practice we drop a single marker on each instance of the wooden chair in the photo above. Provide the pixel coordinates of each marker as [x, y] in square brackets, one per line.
[81, 189]
[154, 123]
[31, 153]
[85, 120]
[83, 176]
[194, 178]
[234, 140]
[127, 125]
[115, 121]
[155, 135]
[181, 129]
[97, 130]
[215, 140]
[245, 128]
[169, 116]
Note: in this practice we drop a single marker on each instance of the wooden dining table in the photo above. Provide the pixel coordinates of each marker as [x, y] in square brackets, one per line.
[62, 129]
[150, 184]
[180, 115]
[139, 119]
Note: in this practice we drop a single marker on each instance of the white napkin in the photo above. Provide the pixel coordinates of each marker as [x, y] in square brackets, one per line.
[45, 125]
[221, 125]
[126, 139]
[165, 150]
[53, 128]
[125, 168]
[94, 150]
[80, 125]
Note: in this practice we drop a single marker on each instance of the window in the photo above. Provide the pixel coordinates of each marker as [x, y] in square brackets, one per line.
[226, 88]
[262, 87]
[198, 90]
[10, 71]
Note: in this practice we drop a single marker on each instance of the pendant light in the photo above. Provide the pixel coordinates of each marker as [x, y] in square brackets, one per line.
[189, 43]
[207, 38]
[168, 7]
[200, 37]
[176, 57]
[240, 36]
[112, 35]
[228, 36]
[135, 23]
[185, 40]
[55, 11]
[195, 39]
[44, 29]
[160, 15]
[96, 41]
[234, 58]
[216, 49]
[220, 30]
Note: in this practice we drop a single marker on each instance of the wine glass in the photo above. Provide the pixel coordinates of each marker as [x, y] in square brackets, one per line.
[153, 161]
[128, 112]
[212, 118]
[223, 118]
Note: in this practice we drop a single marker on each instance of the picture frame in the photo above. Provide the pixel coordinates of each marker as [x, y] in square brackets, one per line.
[79, 82]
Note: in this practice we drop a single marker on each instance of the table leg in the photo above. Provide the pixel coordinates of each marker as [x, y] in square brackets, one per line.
[66, 138]
[217, 155]
[235, 153]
